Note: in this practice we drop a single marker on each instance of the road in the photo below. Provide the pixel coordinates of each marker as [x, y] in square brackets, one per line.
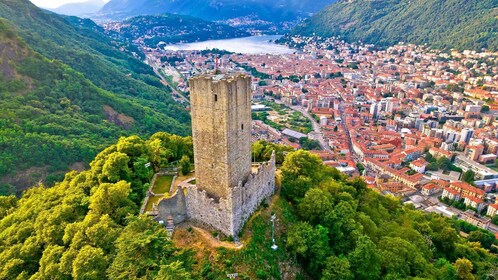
[348, 135]
[316, 126]
[156, 68]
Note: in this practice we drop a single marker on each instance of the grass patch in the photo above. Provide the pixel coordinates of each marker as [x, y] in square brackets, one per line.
[153, 199]
[162, 184]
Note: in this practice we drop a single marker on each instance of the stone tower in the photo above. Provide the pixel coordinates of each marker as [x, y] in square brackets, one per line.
[227, 190]
[221, 130]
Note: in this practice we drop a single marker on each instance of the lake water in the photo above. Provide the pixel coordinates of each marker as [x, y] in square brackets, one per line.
[245, 45]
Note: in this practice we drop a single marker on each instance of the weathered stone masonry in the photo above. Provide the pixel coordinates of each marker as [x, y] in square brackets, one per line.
[227, 192]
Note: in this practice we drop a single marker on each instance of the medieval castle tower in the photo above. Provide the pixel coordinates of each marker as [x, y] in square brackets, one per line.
[221, 130]
[227, 191]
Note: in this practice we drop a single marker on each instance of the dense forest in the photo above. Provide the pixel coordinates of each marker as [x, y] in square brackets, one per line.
[346, 231]
[169, 28]
[460, 24]
[68, 92]
[86, 226]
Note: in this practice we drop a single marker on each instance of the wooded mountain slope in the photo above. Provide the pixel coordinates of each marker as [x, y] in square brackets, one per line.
[171, 28]
[462, 24]
[86, 226]
[73, 98]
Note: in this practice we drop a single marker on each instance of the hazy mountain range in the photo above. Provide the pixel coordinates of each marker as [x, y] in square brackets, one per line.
[274, 11]
[80, 9]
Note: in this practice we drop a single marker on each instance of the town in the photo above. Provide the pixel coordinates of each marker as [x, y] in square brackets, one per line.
[414, 122]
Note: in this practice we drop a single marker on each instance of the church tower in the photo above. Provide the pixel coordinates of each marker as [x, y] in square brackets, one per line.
[221, 130]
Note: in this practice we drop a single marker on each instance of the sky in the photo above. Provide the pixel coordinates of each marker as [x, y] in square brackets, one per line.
[53, 3]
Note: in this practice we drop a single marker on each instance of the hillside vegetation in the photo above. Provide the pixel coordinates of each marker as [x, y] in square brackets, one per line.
[86, 227]
[346, 231]
[68, 92]
[462, 24]
[328, 227]
[170, 29]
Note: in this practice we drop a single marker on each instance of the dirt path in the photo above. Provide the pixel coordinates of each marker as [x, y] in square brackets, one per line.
[213, 242]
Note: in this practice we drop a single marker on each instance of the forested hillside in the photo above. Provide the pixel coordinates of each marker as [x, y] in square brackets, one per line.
[86, 227]
[346, 231]
[462, 24]
[71, 92]
[171, 29]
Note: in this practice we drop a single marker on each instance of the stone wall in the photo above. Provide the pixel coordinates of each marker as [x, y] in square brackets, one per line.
[229, 215]
[174, 207]
[246, 199]
[150, 193]
[226, 215]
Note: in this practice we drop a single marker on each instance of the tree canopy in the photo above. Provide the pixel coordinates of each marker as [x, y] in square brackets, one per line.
[86, 227]
[459, 24]
[349, 232]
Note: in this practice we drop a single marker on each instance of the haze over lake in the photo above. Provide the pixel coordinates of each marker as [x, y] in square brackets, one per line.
[245, 45]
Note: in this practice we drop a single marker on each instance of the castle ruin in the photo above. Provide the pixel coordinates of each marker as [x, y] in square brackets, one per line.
[227, 190]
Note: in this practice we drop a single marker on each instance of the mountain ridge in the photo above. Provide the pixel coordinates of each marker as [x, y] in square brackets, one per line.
[170, 28]
[115, 94]
[79, 8]
[449, 24]
[279, 10]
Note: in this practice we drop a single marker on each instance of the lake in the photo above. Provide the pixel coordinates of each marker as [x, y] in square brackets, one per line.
[245, 45]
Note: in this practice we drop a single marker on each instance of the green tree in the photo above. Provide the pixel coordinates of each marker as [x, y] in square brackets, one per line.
[7, 189]
[116, 168]
[50, 267]
[494, 220]
[298, 238]
[337, 268]
[90, 263]
[315, 204]
[443, 163]
[140, 249]
[485, 238]
[463, 269]
[173, 271]
[360, 167]
[401, 257]
[7, 203]
[468, 176]
[300, 171]
[132, 146]
[140, 170]
[342, 226]
[432, 166]
[365, 259]
[112, 199]
[447, 271]
[185, 165]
